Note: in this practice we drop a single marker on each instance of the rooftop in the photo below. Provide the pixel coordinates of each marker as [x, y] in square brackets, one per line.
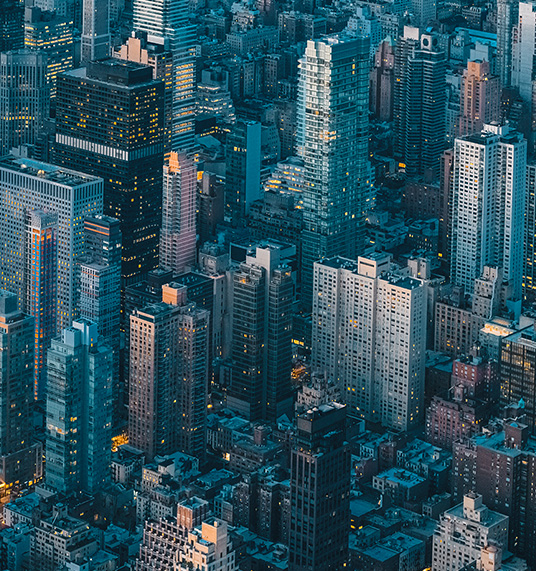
[46, 171]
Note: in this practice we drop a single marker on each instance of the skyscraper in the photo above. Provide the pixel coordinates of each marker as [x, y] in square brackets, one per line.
[480, 98]
[11, 25]
[420, 128]
[488, 205]
[20, 460]
[100, 291]
[26, 185]
[168, 376]
[79, 411]
[379, 369]
[333, 142]
[263, 293]
[95, 30]
[242, 170]
[48, 33]
[109, 123]
[507, 18]
[178, 235]
[529, 267]
[41, 287]
[320, 491]
[24, 97]
[166, 22]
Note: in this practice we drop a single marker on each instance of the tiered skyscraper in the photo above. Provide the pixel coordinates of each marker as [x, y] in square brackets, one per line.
[263, 291]
[79, 411]
[110, 123]
[333, 142]
[488, 205]
[420, 95]
[166, 22]
[178, 235]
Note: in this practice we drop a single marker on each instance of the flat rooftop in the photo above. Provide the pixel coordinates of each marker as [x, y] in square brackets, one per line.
[52, 173]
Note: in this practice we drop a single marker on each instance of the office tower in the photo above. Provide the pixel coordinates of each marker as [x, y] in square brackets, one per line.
[379, 369]
[20, 460]
[243, 170]
[529, 267]
[464, 530]
[109, 123]
[168, 377]
[210, 202]
[139, 50]
[263, 293]
[50, 34]
[100, 291]
[79, 411]
[320, 491]
[517, 373]
[11, 25]
[24, 98]
[381, 81]
[166, 23]
[26, 185]
[41, 287]
[423, 11]
[420, 127]
[488, 204]
[333, 143]
[480, 97]
[95, 30]
[523, 51]
[507, 18]
[178, 235]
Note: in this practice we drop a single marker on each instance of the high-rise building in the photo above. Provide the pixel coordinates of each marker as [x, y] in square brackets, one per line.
[263, 294]
[480, 98]
[424, 12]
[20, 460]
[178, 235]
[320, 491]
[464, 530]
[95, 30]
[100, 291]
[79, 411]
[507, 18]
[420, 97]
[333, 143]
[26, 185]
[41, 287]
[529, 266]
[109, 123]
[11, 25]
[488, 205]
[168, 377]
[24, 98]
[243, 170]
[155, 55]
[379, 369]
[48, 33]
[166, 23]
[381, 82]
[502, 468]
